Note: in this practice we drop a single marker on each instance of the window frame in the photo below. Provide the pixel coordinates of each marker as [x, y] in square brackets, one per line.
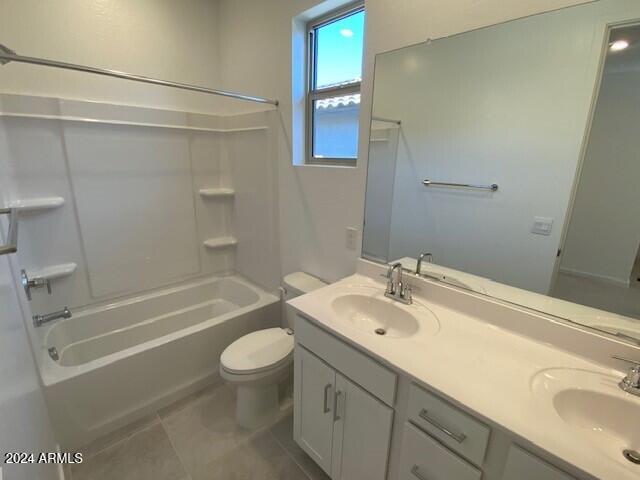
[313, 94]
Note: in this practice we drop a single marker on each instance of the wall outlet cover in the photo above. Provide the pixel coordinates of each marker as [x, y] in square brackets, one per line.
[351, 238]
[542, 225]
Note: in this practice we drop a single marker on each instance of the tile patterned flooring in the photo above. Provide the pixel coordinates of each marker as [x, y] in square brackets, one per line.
[197, 439]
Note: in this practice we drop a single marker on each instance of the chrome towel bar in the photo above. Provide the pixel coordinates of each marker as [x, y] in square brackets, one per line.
[430, 183]
[12, 235]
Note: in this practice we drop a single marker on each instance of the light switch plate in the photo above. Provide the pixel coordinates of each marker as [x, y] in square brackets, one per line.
[351, 238]
[542, 225]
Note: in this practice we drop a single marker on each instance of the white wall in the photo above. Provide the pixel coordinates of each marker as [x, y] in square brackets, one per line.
[604, 233]
[159, 38]
[318, 203]
[24, 420]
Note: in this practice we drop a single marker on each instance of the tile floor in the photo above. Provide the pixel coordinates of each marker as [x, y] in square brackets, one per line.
[197, 439]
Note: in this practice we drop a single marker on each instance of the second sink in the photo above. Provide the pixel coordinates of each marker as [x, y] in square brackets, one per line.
[596, 408]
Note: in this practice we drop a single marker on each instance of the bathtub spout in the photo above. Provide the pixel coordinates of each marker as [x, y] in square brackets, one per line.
[39, 320]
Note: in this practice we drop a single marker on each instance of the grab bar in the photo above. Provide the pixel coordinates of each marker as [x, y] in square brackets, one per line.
[12, 235]
[430, 183]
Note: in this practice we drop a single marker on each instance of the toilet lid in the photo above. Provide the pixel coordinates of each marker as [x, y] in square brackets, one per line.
[258, 351]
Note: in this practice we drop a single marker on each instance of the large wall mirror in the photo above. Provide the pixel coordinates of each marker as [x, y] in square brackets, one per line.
[511, 154]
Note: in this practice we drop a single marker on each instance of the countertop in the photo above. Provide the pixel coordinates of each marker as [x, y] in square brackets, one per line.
[490, 370]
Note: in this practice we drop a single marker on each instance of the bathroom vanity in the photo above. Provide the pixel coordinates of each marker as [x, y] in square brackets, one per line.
[455, 386]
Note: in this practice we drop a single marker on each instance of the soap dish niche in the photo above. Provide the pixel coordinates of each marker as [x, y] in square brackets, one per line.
[220, 242]
[37, 204]
[219, 192]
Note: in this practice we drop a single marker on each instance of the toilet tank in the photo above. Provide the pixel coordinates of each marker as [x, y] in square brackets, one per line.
[296, 284]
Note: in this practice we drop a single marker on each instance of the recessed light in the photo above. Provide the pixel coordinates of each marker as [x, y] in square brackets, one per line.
[346, 32]
[619, 45]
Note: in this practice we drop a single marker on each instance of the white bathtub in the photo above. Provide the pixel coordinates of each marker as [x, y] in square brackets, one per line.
[122, 361]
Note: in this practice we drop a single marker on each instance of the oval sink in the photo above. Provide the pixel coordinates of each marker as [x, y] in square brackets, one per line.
[383, 317]
[594, 405]
[601, 413]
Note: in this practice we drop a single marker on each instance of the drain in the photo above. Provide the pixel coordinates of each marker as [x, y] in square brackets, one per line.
[632, 456]
[380, 331]
[53, 353]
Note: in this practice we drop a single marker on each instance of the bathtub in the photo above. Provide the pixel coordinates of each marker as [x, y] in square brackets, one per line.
[118, 362]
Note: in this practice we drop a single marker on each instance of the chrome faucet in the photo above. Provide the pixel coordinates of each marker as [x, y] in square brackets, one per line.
[422, 256]
[397, 290]
[29, 283]
[630, 383]
[39, 320]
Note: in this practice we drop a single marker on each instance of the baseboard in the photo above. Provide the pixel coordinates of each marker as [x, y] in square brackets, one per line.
[594, 276]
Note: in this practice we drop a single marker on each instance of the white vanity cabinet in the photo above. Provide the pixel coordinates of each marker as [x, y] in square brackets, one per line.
[342, 426]
[345, 406]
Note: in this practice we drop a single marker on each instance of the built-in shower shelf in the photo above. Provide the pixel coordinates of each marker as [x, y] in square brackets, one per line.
[54, 271]
[33, 204]
[221, 242]
[217, 192]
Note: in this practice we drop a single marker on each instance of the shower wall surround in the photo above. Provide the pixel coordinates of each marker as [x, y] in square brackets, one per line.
[145, 192]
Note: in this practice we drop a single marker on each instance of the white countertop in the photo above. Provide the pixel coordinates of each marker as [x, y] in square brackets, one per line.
[488, 369]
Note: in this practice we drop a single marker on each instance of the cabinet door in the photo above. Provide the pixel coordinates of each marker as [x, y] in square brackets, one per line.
[314, 387]
[522, 465]
[361, 434]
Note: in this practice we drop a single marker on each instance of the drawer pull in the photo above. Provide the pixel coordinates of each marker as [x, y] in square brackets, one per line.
[458, 437]
[415, 471]
[325, 408]
[336, 417]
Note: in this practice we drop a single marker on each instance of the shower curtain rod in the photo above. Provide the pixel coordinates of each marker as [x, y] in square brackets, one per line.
[7, 55]
[388, 120]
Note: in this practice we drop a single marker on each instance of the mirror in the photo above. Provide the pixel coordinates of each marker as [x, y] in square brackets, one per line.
[512, 155]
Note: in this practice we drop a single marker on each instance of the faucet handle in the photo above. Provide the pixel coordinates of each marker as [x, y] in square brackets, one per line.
[407, 293]
[631, 382]
[30, 283]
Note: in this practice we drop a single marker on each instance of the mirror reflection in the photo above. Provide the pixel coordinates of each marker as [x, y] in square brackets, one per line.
[509, 154]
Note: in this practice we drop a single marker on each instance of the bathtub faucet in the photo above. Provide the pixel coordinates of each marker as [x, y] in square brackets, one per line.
[39, 320]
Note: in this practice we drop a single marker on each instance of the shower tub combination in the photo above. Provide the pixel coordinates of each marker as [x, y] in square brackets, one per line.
[119, 362]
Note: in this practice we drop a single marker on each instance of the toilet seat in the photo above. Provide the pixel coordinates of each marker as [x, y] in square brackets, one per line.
[259, 351]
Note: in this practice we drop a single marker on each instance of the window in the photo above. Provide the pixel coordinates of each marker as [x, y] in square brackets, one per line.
[333, 99]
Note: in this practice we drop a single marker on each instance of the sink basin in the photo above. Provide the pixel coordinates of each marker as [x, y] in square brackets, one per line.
[600, 413]
[384, 317]
[592, 404]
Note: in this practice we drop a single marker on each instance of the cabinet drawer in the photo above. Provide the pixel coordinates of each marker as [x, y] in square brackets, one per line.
[360, 368]
[425, 459]
[522, 465]
[457, 430]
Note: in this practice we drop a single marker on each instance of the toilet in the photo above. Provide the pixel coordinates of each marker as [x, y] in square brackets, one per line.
[260, 361]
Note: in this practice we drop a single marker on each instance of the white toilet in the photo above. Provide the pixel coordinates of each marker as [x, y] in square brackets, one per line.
[258, 362]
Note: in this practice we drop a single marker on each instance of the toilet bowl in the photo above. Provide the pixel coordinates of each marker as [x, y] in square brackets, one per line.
[260, 361]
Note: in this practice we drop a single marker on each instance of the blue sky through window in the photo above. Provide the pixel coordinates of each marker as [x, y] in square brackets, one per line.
[339, 51]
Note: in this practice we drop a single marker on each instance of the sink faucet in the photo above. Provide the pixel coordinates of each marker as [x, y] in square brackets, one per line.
[39, 320]
[397, 290]
[630, 383]
[422, 256]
